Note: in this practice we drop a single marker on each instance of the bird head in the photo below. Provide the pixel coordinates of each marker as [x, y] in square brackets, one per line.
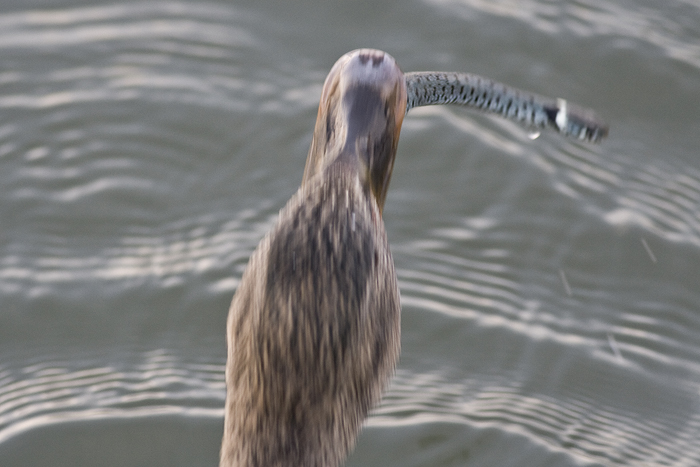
[362, 107]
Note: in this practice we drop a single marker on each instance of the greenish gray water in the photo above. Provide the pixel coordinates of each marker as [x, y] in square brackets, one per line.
[550, 290]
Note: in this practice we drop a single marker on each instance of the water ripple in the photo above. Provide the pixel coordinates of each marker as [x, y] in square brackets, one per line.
[104, 147]
[669, 28]
[55, 392]
[599, 429]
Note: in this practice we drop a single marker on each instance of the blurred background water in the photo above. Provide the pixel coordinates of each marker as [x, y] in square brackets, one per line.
[550, 289]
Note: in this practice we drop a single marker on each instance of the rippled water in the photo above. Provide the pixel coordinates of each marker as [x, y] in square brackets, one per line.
[550, 290]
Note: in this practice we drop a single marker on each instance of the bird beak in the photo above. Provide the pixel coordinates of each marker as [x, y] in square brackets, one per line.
[359, 120]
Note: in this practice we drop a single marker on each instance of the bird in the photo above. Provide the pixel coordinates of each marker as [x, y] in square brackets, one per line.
[313, 330]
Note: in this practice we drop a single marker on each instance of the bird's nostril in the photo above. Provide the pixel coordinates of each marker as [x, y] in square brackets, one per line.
[376, 57]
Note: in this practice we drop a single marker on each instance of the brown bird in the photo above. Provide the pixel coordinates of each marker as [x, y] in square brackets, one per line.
[314, 328]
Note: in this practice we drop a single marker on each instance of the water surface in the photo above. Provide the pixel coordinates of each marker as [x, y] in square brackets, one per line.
[550, 290]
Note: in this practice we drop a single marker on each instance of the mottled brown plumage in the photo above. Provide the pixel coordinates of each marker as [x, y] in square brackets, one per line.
[314, 327]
